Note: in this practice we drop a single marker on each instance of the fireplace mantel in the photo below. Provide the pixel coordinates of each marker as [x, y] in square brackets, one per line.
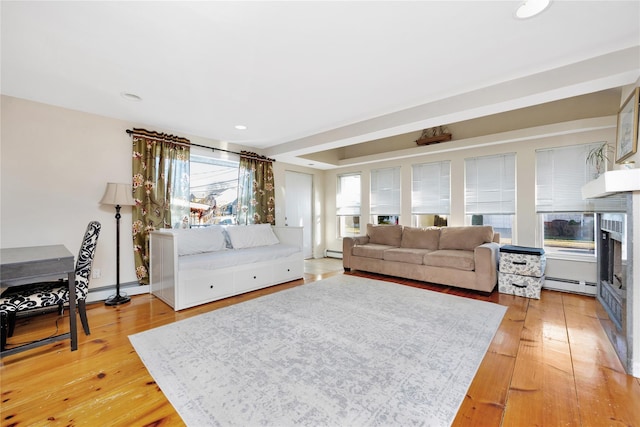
[612, 182]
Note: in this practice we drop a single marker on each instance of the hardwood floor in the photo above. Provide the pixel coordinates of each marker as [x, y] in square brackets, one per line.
[550, 364]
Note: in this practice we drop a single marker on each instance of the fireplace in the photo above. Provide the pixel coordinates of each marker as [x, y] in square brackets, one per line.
[612, 279]
[617, 249]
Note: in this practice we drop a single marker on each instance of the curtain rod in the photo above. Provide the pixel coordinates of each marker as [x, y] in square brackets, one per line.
[191, 144]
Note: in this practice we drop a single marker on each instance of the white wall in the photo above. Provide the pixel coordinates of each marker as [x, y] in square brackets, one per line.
[523, 142]
[55, 164]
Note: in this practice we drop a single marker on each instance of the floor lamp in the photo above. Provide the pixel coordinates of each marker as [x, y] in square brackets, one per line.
[118, 195]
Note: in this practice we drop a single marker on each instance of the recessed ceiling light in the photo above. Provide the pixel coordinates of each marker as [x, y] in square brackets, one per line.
[241, 127]
[131, 97]
[530, 8]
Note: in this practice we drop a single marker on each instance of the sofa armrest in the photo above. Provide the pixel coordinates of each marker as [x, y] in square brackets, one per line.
[347, 244]
[487, 257]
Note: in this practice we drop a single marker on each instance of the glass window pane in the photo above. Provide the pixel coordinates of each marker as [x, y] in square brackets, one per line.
[214, 190]
[348, 226]
[569, 233]
[429, 220]
[385, 219]
[502, 224]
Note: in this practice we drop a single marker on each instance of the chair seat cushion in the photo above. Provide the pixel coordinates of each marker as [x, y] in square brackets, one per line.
[27, 297]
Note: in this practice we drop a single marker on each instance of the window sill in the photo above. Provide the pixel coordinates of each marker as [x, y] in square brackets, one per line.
[571, 257]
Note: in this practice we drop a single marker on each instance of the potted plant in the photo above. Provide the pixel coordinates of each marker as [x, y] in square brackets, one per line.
[599, 157]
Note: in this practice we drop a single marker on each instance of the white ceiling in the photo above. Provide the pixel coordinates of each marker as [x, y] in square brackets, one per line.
[310, 76]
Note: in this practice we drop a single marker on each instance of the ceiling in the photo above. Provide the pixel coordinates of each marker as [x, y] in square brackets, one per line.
[310, 78]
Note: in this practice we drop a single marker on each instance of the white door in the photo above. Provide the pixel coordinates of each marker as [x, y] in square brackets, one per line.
[298, 210]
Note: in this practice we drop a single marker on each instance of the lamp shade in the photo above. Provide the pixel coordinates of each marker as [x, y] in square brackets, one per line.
[118, 194]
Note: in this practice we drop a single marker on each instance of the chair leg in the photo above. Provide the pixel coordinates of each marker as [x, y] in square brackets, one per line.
[11, 317]
[82, 309]
[3, 330]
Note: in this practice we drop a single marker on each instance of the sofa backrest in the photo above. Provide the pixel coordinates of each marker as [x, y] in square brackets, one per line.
[385, 234]
[465, 238]
[420, 238]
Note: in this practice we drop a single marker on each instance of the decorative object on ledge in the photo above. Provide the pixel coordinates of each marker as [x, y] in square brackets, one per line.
[118, 195]
[434, 135]
[599, 157]
[627, 134]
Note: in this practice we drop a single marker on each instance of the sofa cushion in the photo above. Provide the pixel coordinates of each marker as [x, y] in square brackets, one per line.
[421, 238]
[370, 250]
[408, 255]
[465, 238]
[193, 241]
[385, 234]
[456, 259]
[251, 236]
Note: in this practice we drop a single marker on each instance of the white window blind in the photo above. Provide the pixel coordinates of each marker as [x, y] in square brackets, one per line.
[431, 189]
[385, 191]
[560, 174]
[348, 194]
[490, 185]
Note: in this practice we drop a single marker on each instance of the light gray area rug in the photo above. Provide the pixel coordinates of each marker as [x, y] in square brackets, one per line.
[345, 351]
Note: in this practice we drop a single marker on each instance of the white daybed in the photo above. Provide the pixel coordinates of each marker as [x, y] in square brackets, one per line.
[194, 266]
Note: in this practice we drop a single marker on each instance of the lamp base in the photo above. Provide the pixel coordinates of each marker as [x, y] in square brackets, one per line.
[117, 300]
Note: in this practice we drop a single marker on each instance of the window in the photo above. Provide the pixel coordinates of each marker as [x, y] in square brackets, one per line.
[566, 219]
[214, 189]
[348, 205]
[490, 193]
[385, 196]
[430, 194]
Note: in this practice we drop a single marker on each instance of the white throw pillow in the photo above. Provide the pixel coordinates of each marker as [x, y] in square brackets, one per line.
[199, 240]
[251, 236]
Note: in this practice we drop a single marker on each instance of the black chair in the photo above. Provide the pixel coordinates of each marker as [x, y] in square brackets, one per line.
[47, 294]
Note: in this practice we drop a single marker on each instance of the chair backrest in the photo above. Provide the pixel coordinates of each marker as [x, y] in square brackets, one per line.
[85, 259]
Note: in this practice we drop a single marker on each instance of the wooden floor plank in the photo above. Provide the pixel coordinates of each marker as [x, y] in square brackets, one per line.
[542, 390]
[549, 364]
[605, 392]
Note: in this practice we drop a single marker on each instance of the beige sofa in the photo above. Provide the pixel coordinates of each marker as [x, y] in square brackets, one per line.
[464, 257]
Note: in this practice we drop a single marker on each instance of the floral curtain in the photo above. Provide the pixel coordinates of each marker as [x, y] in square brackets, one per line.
[160, 190]
[256, 194]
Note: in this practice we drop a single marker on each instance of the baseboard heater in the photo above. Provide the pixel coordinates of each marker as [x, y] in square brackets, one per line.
[570, 285]
[332, 254]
